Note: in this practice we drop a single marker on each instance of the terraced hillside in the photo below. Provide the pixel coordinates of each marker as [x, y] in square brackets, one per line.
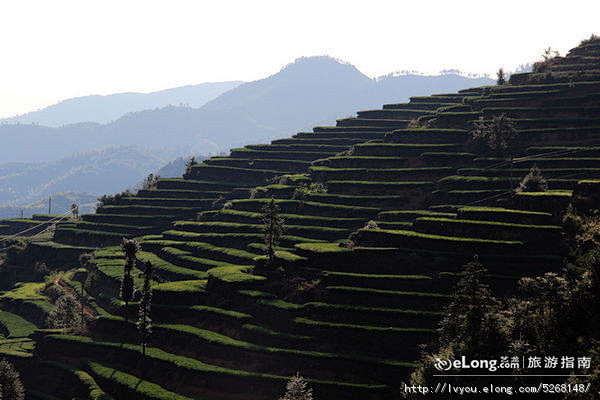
[29, 226]
[380, 210]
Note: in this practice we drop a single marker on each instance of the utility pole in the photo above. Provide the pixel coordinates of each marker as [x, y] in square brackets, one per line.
[49, 205]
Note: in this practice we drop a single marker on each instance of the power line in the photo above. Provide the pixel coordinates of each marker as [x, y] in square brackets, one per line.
[59, 217]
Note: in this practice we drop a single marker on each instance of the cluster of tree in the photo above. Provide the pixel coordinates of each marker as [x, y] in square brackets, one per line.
[550, 315]
[189, 165]
[304, 190]
[548, 55]
[534, 181]
[500, 137]
[150, 181]
[593, 38]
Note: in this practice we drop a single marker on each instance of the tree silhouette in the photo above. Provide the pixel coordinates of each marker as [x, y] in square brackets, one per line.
[75, 210]
[151, 181]
[464, 324]
[533, 181]
[144, 323]
[189, 165]
[501, 80]
[272, 227]
[130, 248]
[499, 135]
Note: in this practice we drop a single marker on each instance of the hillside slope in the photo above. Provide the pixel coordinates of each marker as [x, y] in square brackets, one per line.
[347, 301]
[96, 172]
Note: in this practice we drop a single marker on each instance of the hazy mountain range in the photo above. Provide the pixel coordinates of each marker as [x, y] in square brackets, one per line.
[104, 109]
[311, 91]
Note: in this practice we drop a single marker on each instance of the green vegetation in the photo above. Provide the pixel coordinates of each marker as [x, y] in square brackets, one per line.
[186, 364]
[168, 269]
[21, 348]
[322, 248]
[235, 274]
[195, 286]
[25, 291]
[371, 329]
[132, 383]
[95, 392]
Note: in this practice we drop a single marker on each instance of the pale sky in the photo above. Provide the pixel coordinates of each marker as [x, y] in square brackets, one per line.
[52, 50]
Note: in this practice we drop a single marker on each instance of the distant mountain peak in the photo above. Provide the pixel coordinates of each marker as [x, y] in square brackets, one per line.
[323, 65]
[106, 108]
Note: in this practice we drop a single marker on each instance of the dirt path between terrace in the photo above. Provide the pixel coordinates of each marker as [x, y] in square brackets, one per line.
[90, 312]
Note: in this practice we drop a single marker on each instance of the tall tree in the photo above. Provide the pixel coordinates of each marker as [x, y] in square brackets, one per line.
[144, 323]
[130, 248]
[464, 324]
[272, 227]
[10, 382]
[471, 327]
